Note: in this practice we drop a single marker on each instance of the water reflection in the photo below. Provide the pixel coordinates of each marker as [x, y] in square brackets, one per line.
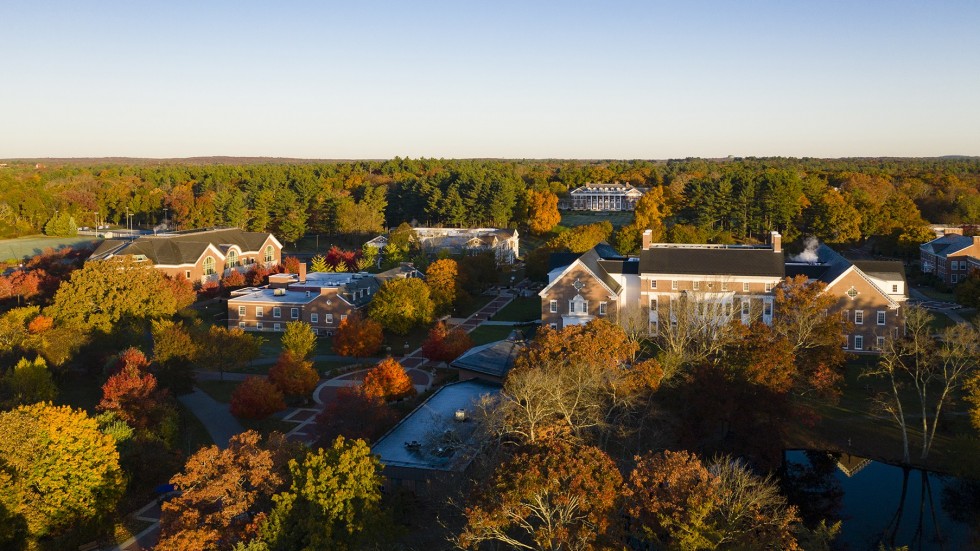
[882, 504]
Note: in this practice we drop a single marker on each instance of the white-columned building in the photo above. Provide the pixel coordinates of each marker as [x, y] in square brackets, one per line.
[605, 197]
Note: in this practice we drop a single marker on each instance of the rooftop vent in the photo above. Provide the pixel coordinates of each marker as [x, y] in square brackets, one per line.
[460, 415]
[279, 292]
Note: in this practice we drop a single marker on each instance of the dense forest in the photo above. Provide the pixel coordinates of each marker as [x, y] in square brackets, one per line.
[839, 200]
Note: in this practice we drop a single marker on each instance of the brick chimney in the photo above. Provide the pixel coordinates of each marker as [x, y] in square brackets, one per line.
[776, 241]
[647, 239]
[302, 272]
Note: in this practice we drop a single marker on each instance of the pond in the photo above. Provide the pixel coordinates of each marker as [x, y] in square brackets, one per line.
[883, 504]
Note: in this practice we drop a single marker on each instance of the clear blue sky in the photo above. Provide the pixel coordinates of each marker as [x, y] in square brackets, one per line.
[462, 78]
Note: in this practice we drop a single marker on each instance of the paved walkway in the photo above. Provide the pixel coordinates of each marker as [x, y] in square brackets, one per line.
[942, 307]
[218, 421]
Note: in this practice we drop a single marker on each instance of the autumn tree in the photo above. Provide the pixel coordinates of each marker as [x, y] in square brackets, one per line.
[59, 472]
[220, 489]
[131, 392]
[443, 345]
[930, 369]
[319, 264]
[333, 502]
[62, 225]
[551, 496]
[402, 304]
[256, 398]
[354, 413]
[442, 278]
[294, 376]
[834, 218]
[679, 503]
[224, 349]
[388, 381]
[174, 350]
[299, 339]
[542, 211]
[27, 382]
[104, 293]
[358, 337]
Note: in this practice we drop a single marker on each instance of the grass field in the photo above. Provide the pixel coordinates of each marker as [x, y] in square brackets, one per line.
[26, 247]
[936, 295]
[222, 391]
[520, 309]
[571, 219]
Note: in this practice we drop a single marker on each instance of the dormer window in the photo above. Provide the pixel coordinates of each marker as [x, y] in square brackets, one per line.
[232, 259]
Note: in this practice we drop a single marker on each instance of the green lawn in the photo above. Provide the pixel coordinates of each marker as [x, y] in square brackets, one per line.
[571, 219]
[490, 333]
[414, 338]
[936, 295]
[272, 346]
[25, 247]
[192, 435]
[520, 309]
[219, 390]
[471, 306]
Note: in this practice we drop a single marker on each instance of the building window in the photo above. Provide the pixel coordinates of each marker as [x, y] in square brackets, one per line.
[343, 317]
[952, 278]
[859, 317]
[894, 289]
[847, 342]
[269, 254]
[241, 325]
[578, 305]
[745, 287]
[767, 308]
[881, 317]
[745, 307]
[294, 313]
[653, 305]
[880, 343]
[602, 308]
[768, 287]
[276, 312]
[209, 266]
[554, 306]
[314, 317]
[858, 342]
[673, 284]
[187, 274]
[241, 310]
[724, 285]
[328, 318]
[258, 325]
[232, 260]
[696, 285]
[553, 325]
[276, 327]
[852, 292]
[653, 283]
[259, 311]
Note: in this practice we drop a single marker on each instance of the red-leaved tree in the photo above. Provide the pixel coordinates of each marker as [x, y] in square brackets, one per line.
[294, 376]
[354, 414]
[256, 398]
[443, 345]
[388, 381]
[358, 337]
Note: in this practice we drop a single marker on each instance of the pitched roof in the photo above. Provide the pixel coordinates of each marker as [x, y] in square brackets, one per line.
[712, 260]
[182, 247]
[889, 270]
[495, 358]
[947, 244]
[591, 260]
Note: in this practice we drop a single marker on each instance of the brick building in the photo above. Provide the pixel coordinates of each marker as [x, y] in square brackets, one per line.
[198, 255]
[949, 257]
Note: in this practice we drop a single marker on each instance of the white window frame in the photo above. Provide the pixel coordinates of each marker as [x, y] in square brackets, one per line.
[269, 254]
[602, 308]
[881, 317]
[241, 325]
[241, 311]
[767, 308]
[859, 317]
[768, 286]
[858, 342]
[294, 313]
[653, 283]
[880, 343]
[745, 287]
[894, 289]
[746, 307]
[276, 312]
[553, 325]
[209, 260]
[258, 326]
[277, 327]
[673, 284]
[847, 342]
[953, 278]
[343, 317]
[328, 318]
[314, 318]
[553, 305]
[259, 312]
[696, 285]
[724, 285]
[187, 274]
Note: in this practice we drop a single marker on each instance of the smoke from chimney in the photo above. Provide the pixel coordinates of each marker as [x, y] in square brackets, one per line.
[809, 255]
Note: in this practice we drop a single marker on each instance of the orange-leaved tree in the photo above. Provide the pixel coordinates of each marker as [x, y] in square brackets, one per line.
[294, 376]
[443, 345]
[256, 398]
[551, 496]
[542, 211]
[220, 488]
[442, 277]
[358, 337]
[388, 380]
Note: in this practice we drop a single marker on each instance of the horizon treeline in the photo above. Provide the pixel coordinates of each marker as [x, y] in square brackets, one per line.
[839, 200]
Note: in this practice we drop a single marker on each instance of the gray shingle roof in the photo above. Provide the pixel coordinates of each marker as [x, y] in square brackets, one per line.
[732, 261]
[183, 247]
[495, 358]
[947, 244]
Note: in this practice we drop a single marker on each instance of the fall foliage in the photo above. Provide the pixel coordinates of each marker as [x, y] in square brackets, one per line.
[551, 496]
[256, 398]
[542, 211]
[402, 304]
[241, 478]
[294, 376]
[133, 395]
[388, 381]
[442, 278]
[354, 414]
[443, 345]
[358, 337]
[299, 339]
[60, 472]
[27, 382]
